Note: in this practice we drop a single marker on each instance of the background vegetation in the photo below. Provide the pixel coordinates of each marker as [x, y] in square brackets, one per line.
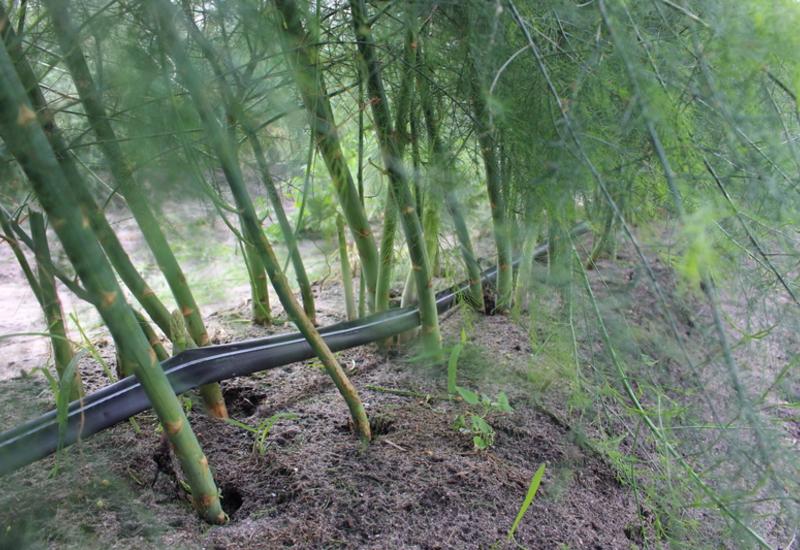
[441, 134]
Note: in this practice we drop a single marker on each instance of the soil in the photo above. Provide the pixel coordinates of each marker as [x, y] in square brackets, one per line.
[420, 484]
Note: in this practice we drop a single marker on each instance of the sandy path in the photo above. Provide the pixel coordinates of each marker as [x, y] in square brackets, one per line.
[204, 246]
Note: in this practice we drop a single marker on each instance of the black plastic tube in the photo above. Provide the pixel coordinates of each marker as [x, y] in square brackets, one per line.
[112, 404]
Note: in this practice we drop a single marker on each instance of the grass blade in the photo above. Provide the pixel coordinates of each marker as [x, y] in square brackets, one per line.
[532, 489]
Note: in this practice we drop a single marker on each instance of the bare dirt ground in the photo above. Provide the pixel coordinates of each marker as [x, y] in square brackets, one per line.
[421, 484]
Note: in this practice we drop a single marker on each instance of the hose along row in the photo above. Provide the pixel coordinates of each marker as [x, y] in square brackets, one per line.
[112, 404]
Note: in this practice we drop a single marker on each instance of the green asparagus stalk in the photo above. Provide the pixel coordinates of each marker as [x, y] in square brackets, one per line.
[397, 178]
[222, 66]
[105, 234]
[44, 290]
[494, 183]
[303, 59]
[51, 305]
[390, 211]
[152, 337]
[220, 141]
[122, 171]
[362, 284]
[27, 142]
[347, 276]
[386, 260]
[262, 313]
[286, 227]
[430, 229]
[442, 169]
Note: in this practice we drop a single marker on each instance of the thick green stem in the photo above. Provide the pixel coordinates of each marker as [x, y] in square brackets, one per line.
[152, 337]
[221, 66]
[362, 294]
[51, 305]
[225, 151]
[122, 172]
[494, 184]
[362, 285]
[430, 228]
[286, 227]
[409, 295]
[387, 254]
[303, 59]
[26, 140]
[262, 314]
[182, 341]
[178, 335]
[416, 162]
[443, 169]
[390, 210]
[397, 178]
[467, 252]
[347, 275]
[105, 234]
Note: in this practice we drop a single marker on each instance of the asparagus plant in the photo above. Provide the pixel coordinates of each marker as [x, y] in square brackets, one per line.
[42, 285]
[390, 212]
[362, 284]
[304, 60]
[494, 188]
[105, 234]
[152, 337]
[399, 187]
[26, 141]
[283, 221]
[164, 15]
[122, 171]
[442, 169]
[51, 305]
[262, 313]
[222, 66]
[347, 275]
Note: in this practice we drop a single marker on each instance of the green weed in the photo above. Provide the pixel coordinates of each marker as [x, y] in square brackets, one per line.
[474, 421]
[536, 480]
[262, 430]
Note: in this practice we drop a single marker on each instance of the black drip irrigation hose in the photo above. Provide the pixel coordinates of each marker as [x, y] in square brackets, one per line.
[117, 402]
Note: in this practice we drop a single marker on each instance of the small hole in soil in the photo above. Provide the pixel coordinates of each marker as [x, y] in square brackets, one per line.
[489, 301]
[241, 401]
[231, 499]
[381, 425]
